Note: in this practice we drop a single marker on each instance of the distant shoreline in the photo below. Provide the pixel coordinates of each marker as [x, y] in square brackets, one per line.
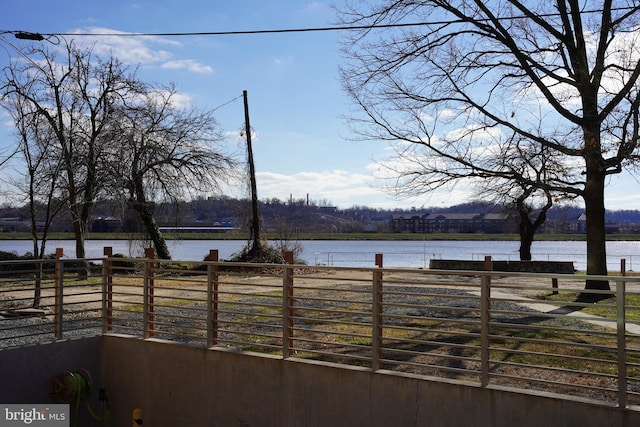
[328, 236]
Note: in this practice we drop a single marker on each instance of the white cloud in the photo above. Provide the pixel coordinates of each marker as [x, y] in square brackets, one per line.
[189, 65]
[317, 9]
[621, 191]
[178, 100]
[283, 61]
[314, 5]
[342, 188]
[313, 181]
[147, 51]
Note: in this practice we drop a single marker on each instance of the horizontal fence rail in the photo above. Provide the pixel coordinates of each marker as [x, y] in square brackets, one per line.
[541, 332]
[45, 300]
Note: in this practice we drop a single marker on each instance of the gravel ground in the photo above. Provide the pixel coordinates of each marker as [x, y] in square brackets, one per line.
[32, 325]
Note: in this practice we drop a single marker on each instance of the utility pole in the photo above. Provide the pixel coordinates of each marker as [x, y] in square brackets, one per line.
[255, 220]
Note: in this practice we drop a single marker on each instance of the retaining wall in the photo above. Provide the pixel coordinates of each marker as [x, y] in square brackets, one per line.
[177, 385]
[26, 372]
[560, 267]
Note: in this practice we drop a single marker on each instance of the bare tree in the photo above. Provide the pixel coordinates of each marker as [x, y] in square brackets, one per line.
[161, 151]
[456, 91]
[76, 94]
[531, 219]
[529, 205]
[529, 168]
[38, 181]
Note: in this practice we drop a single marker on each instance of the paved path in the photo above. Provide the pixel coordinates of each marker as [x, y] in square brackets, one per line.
[566, 311]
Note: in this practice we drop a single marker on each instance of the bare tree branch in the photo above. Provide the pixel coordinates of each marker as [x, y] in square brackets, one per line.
[482, 84]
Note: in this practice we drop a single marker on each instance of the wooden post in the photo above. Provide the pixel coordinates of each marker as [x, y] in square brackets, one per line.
[58, 296]
[554, 286]
[212, 298]
[376, 310]
[255, 215]
[288, 312]
[621, 337]
[485, 318]
[148, 292]
[107, 290]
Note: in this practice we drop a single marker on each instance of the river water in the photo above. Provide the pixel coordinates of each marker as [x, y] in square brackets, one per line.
[405, 253]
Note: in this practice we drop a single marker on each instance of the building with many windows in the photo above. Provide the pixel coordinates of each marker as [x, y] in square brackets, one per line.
[449, 223]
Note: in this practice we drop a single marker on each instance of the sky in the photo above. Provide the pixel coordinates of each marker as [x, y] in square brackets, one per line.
[302, 144]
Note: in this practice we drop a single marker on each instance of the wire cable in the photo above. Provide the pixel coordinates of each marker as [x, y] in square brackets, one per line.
[26, 35]
[227, 103]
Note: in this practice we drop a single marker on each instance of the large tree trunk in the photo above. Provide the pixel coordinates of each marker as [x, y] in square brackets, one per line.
[151, 227]
[148, 220]
[37, 255]
[80, 232]
[594, 209]
[79, 227]
[526, 240]
[527, 227]
[596, 237]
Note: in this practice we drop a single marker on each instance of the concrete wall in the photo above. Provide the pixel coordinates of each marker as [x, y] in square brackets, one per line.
[25, 372]
[180, 386]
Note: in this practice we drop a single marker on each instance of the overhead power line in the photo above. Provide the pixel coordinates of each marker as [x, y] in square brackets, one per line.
[26, 35]
[227, 103]
[40, 36]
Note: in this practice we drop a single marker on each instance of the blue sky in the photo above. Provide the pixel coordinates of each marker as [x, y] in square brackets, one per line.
[302, 143]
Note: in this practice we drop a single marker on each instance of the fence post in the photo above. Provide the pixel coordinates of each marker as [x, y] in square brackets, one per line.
[376, 345]
[58, 296]
[287, 300]
[212, 298]
[147, 308]
[107, 289]
[485, 318]
[621, 336]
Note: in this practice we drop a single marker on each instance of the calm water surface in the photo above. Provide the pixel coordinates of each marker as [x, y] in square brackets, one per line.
[362, 252]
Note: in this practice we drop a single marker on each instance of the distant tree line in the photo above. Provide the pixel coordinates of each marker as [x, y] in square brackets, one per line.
[288, 217]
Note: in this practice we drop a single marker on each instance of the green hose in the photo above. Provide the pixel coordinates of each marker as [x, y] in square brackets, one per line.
[69, 387]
